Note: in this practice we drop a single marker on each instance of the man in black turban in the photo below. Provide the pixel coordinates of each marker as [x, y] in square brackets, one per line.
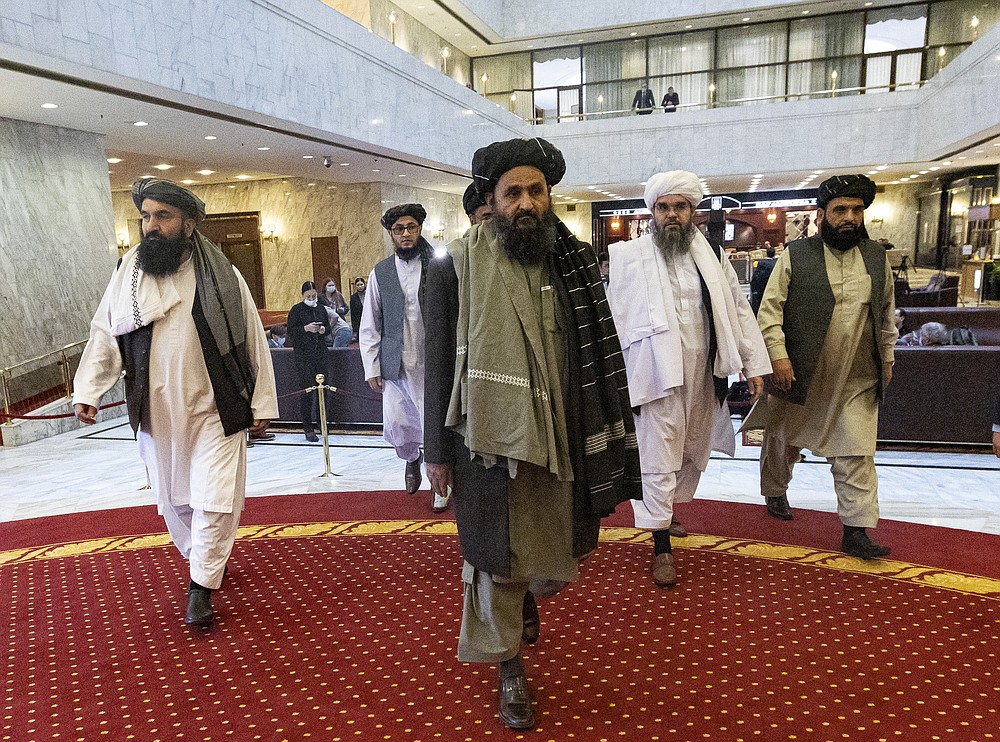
[827, 316]
[527, 411]
[391, 336]
[181, 322]
[475, 205]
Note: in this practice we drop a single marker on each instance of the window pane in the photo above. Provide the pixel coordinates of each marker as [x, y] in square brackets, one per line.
[555, 67]
[878, 74]
[687, 52]
[829, 36]
[817, 77]
[751, 82]
[692, 89]
[951, 22]
[895, 28]
[749, 45]
[608, 96]
[908, 70]
[504, 73]
[616, 60]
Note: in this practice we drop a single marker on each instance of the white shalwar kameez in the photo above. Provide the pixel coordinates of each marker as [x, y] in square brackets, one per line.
[196, 471]
[680, 419]
[402, 399]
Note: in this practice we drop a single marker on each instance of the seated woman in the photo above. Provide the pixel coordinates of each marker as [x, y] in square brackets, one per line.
[930, 333]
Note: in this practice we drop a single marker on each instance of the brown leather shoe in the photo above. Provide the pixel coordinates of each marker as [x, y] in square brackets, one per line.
[664, 571]
[532, 624]
[515, 703]
[777, 507]
[413, 476]
[676, 529]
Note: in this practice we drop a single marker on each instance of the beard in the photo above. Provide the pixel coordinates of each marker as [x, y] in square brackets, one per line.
[525, 238]
[843, 238]
[161, 256]
[673, 242]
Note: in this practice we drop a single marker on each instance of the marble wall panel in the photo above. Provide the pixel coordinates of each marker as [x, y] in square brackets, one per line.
[57, 243]
[893, 216]
[414, 37]
[578, 221]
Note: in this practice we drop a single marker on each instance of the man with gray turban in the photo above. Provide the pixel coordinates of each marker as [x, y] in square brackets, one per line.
[527, 408]
[828, 320]
[685, 328]
[181, 322]
[391, 336]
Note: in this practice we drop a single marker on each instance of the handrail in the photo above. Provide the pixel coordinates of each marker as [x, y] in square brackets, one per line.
[5, 374]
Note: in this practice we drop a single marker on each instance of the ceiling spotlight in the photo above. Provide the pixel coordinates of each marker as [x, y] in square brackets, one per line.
[307, 157]
[205, 172]
[211, 138]
[327, 162]
[187, 182]
[263, 149]
[163, 166]
[344, 164]
[50, 105]
[114, 160]
[242, 177]
[140, 123]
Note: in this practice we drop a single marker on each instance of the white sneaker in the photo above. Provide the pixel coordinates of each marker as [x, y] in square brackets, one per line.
[440, 504]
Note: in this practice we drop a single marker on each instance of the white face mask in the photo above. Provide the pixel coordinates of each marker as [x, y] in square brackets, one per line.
[330, 288]
[311, 302]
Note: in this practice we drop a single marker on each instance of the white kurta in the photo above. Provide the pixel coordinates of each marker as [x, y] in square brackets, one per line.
[190, 460]
[403, 399]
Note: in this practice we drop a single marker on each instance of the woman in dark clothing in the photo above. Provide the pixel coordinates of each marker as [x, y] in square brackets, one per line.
[307, 327]
[357, 305]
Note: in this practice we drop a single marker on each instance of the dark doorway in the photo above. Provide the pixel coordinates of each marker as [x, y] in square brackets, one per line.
[238, 235]
[326, 261]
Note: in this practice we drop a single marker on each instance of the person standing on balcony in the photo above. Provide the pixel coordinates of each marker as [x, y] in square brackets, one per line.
[644, 101]
[180, 320]
[685, 328]
[828, 320]
[392, 339]
[670, 101]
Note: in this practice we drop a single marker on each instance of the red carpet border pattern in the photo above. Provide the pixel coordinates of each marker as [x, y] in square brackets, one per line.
[347, 631]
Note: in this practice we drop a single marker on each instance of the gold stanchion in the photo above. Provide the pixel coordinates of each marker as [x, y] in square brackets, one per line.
[320, 389]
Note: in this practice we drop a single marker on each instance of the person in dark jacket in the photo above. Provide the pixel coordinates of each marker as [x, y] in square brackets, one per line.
[357, 305]
[308, 325]
[644, 101]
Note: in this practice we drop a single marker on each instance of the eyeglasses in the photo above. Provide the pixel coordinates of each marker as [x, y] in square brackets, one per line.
[408, 229]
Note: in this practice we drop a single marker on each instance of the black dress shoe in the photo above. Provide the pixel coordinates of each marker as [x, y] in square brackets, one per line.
[312, 437]
[199, 608]
[262, 436]
[515, 703]
[413, 476]
[857, 544]
[532, 624]
[777, 507]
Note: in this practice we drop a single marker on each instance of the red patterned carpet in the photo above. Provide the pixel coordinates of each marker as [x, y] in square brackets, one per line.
[338, 625]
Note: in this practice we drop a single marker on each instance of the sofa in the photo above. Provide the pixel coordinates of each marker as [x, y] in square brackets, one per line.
[355, 405]
[940, 291]
[944, 394]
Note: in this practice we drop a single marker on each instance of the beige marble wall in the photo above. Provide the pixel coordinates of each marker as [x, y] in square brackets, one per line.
[350, 212]
[579, 221]
[893, 216]
[417, 39]
[359, 11]
[57, 244]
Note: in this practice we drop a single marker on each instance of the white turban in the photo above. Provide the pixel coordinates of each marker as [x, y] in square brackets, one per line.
[674, 182]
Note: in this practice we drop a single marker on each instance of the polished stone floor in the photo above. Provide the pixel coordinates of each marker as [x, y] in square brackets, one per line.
[99, 468]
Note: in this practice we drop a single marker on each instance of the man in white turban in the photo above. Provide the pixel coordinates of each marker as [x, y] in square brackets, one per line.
[685, 328]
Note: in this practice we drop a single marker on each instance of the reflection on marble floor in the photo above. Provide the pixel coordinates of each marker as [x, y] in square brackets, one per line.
[99, 468]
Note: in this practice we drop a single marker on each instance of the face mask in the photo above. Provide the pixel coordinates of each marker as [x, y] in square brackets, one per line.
[330, 288]
[311, 302]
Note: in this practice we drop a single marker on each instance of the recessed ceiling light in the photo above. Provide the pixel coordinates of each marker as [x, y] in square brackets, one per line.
[143, 177]
[980, 151]
[746, 19]
[187, 182]
[211, 138]
[263, 149]
[805, 12]
[963, 157]
[163, 166]
[307, 157]
[312, 184]
[344, 164]
[935, 168]
[232, 186]
[881, 167]
[688, 26]
[589, 188]
[242, 177]
[50, 105]
[633, 34]
[205, 172]
[114, 160]
[140, 123]
[402, 175]
[904, 178]
[376, 170]
[924, 172]
[873, 172]
[818, 172]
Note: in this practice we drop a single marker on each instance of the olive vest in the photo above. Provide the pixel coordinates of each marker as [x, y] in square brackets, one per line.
[809, 309]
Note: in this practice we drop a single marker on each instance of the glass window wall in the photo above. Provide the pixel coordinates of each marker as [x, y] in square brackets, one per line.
[891, 29]
[952, 22]
[827, 36]
[615, 60]
[746, 46]
[686, 52]
[502, 74]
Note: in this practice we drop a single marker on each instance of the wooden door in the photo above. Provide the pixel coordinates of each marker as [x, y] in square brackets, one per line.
[246, 257]
[326, 262]
[238, 236]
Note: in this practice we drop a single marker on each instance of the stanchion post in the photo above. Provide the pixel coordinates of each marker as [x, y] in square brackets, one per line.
[320, 390]
[67, 379]
[6, 396]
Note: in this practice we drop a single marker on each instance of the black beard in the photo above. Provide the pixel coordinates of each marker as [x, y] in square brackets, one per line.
[838, 239]
[673, 242]
[161, 256]
[527, 245]
[406, 254]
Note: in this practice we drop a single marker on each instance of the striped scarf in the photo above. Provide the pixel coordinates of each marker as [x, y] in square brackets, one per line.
[605, 453]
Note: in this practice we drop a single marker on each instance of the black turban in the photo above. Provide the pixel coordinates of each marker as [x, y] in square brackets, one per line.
[168, 193]
[396, 213]
[846, 186]
[490, 163]
[472, 200]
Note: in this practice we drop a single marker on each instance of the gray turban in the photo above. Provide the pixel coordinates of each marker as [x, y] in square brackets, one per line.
[169, 193]
[396, 213]
[846, 186]
[491, 162]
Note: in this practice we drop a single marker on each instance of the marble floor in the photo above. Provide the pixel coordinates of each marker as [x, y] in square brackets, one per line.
[99, 468]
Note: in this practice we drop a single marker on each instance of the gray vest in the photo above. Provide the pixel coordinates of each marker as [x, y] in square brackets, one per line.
[809, 309]
[393, 314]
